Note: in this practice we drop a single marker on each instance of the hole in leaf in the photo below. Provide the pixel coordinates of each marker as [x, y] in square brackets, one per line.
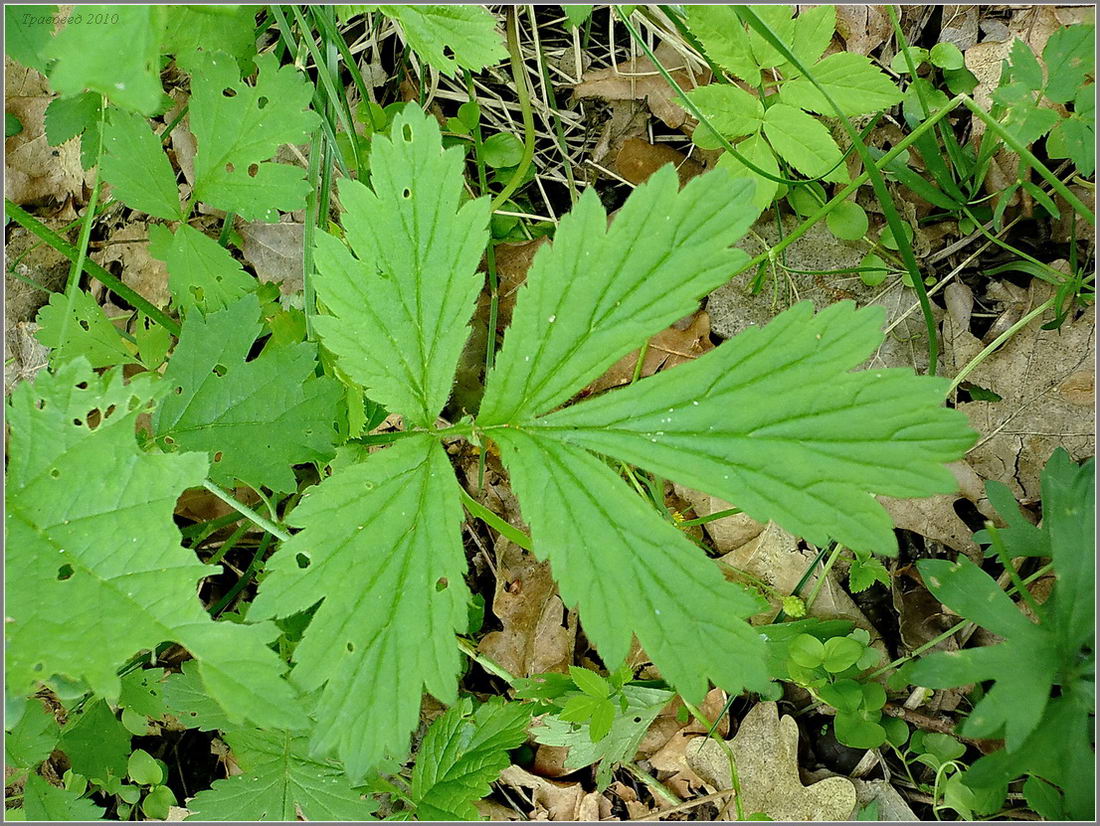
[261, 102]
[406, 193]
[82, 385]
[218, 456]
[229, 92]
[40, 404]
[351, 648]
[93, 417]
[302, 560]
[253, 169]
[64, 572]
[168, 440]
[637, 719]
[107, 413]
[441, 584]
[229, 168]
[84, 325]
[55, 473]
[407, 132]
[78, 422]
[179, 390]
[219, 370]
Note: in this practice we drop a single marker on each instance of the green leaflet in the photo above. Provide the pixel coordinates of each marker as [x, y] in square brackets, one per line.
[773, 421]
[757, 151]
[44, 802]
[202, 274]
[256, 418]
[462, 754]
[1069, 58]
[802, 141]
[851, 80]
[630, 572]
[32, 738]
[95, 742]
[119, 59]
[380, 545]
[229, 29]
[597, 293]
[467, 31]
[279, 779]
[25, 35]
[238, 135]
[722, 34]
[730, 109]
[96, 570]
[401, 306]
[68, 117]
[88, 333]
[136, 167]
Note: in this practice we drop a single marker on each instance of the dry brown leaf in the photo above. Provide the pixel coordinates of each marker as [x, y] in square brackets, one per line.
[959, 26]
[25, 354]
[1045, 379]
[539, 633]
[557, 801]
[634, 807]
[275, 251]
[864, 28]
[892, 807]
[935, 517]
[684, 341]
[129, 247]
[639, 80]
[765, 750]
[638, 159]
[673, 770]
[727, 533]
[34, 171]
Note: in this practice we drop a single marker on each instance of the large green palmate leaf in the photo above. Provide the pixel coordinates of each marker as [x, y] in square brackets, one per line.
[229, 29]
[401, 306]
[462, 754]
[26, 33]
[256, 418]
[119, 57]
[597, 293]
[630, 572]
[279, 781]
[95, 569]
[381, 546]
[237, 135]
[774, 422]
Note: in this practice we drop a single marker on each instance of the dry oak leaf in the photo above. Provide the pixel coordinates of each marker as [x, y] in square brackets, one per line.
[765, 750]
[638, 159]
[129, 247]
[557, 801]
[275, 251]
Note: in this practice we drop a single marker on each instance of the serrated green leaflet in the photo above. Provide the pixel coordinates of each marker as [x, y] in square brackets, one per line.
[626, 568]
[95, 742]
[468, 32]
[202, 274]
[87, 332]
[255, 418]
[185, 697]
[68, 117]
[226, 29]
[462, 754]
[380, 545]
[851, 80]
[136, 167]
[1069, 57]
[729, 109]
[44, 802]
[597, 293]
[100, 571]
[811, 463]
[725, 39]
[32, 738]
[802, 141]
[401, 305]
[120, 59]
[280, 781]
[237, 135]
[757, 151]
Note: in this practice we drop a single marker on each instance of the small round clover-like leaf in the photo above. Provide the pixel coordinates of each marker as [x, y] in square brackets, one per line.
[841, 653]
[856, 731]
[843, 695]
[143, 769]
[847, 221]
[807, 651]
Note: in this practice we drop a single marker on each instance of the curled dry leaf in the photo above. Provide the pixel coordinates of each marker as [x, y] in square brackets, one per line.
[765, 750]
[557, 801]
[129, 247]
[275, 251]
[863, 28]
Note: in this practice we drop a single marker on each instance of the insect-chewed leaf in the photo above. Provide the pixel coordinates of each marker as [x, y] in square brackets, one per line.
[596, 293]
[774, 422]
[85, 332]
[256, 417]
[229, 29]
[381, 547]
[201, 272]
[238, 134]
[401, 306]
[630, 572]
[280, 781]
[467, 31]
[96, 571]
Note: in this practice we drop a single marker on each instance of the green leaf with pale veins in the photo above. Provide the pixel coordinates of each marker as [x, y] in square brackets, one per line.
[401, 305]
[120, 60]
[280, 781]
[462, 754]
[381, 546]
[68, 117]
[729, 109]
[238, 135]
[1069, 56]
[629, 572]
[723, 36]
[45, 802]
[597, 293]
[202, 274]
[468, 31]
[136, 167]
[813, 31]
[256, 418]
[851, 80]
[95, 571]
[802, 141]
[774, 422]
[779, 18]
